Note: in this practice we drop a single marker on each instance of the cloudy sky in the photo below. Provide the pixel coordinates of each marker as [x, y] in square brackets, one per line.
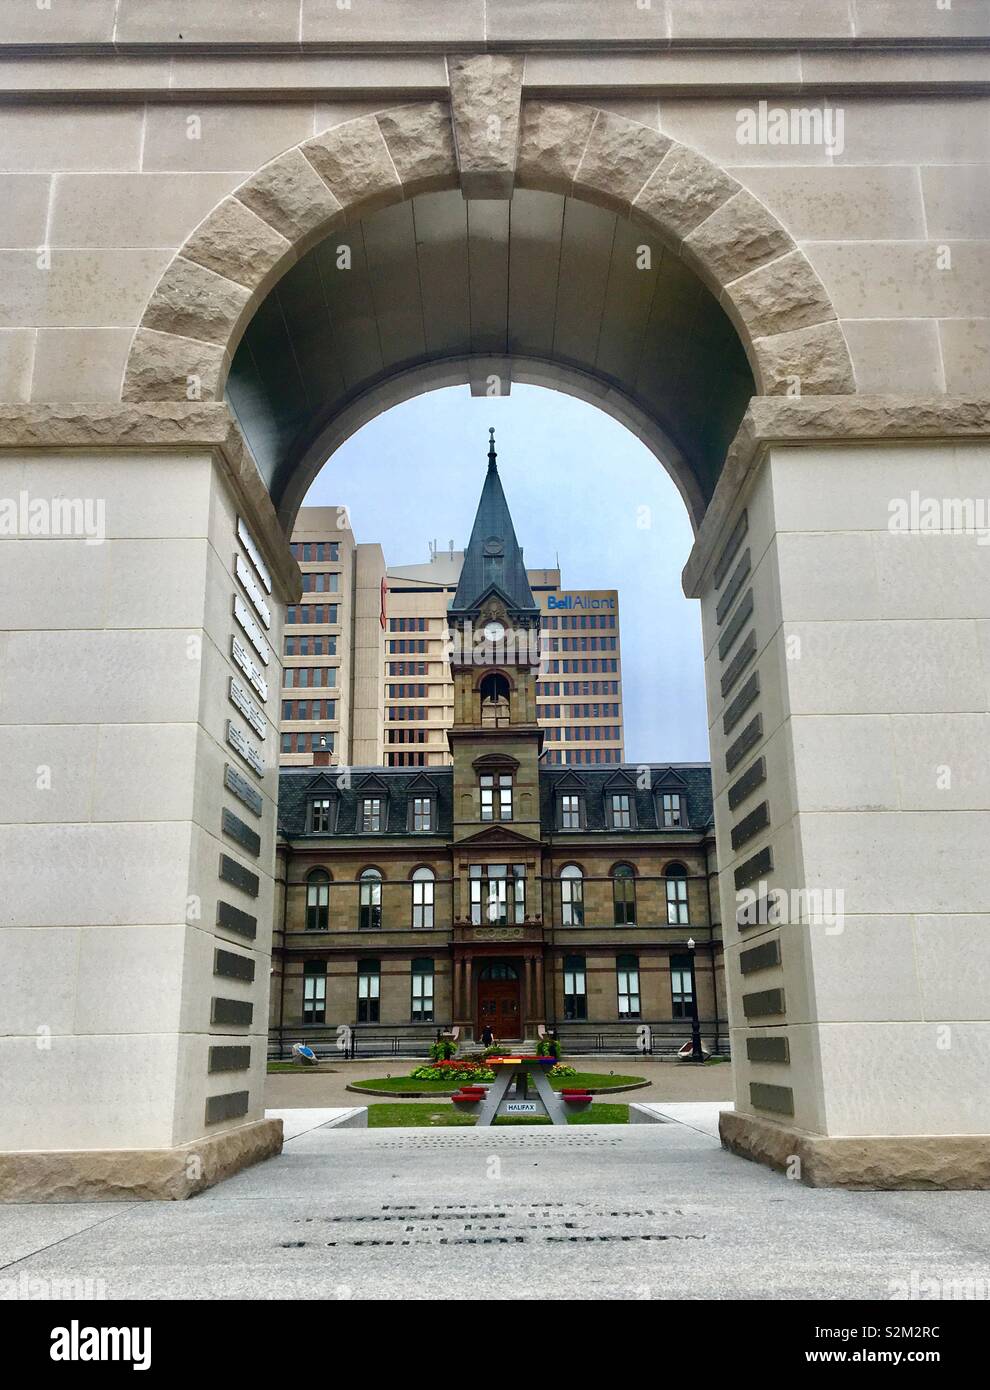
[581, 489]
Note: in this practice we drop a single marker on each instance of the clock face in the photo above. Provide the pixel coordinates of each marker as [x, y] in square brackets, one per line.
[494, 632]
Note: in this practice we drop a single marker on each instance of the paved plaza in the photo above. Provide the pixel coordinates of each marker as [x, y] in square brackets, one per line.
[673, 1081]
[646, 1211]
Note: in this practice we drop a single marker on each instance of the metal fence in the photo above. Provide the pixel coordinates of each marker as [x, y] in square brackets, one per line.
[664, 1039]
[349, 1041]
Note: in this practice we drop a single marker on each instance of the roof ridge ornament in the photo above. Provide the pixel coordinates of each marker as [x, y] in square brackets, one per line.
[492, 456]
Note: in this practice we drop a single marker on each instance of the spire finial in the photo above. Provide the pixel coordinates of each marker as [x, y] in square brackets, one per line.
[491, 448]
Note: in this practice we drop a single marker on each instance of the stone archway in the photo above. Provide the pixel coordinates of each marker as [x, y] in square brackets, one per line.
[808, 750]
[748, 262]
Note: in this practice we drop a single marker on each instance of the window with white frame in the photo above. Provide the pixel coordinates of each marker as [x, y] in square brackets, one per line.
[369, 978]
[682, 986]
[677, 895]
[370, 900]
[623, 895]
[423, 886]
[320, 817]
[570, 811]
[371, 814]
[575, 988]
[422, 813]
[627, 979]
[314, 992]
[571, 896]
[671, 809]
[496, 796]
[318, 901]
[621, 811]
[498, 894]
[422, 990]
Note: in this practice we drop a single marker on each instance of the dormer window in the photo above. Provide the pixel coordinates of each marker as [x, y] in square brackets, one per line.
[672, 810]
[620, 810]
[321, 815]
[496, 796]
[422, 813]
[371, 814]
[493, 560]
[571, 811]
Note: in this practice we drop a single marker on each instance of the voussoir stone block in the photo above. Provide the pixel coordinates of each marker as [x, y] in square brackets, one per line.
[194, 302]
[235, 242]
[685, 189]
[619, 159]
[485, 99]
[353, 160]
[551, 143]
[778, 297]
[738, 237]
[808, 361]
[421, 143]
[290, 196]
[162, 367]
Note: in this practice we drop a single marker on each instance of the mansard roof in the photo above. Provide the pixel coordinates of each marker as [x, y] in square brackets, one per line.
[694, 783]
[298, 785]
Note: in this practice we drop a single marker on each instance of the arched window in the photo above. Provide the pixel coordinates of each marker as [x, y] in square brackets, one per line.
[499, 970]
[370, 914]
[623, 895]
[572, 896]
[423, 881]
[495, 690]
[627, 978]
[677, 895]
[369, 975]
[318, 901]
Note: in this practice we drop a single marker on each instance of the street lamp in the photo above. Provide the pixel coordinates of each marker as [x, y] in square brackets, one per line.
[697, 1055]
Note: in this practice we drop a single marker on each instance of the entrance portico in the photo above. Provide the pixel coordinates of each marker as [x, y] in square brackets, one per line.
[504, 992]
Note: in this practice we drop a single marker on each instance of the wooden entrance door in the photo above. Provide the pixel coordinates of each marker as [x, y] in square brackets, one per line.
[499, 1000]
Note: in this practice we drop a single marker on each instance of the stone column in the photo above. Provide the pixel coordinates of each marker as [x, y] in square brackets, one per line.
[847, 668]
[456, 1008]
[468, 1000]
[138, 727]
[541, 1006]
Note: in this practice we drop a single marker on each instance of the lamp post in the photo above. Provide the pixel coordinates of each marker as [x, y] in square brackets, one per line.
[697, 1055]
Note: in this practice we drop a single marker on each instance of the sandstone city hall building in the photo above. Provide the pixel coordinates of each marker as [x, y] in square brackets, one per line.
[499, 890]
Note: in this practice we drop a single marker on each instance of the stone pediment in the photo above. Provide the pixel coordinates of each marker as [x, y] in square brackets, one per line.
[498, 836]
[669, 778]
[322, 783]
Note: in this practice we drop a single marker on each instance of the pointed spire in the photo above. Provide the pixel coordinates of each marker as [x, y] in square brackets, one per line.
[493, 559]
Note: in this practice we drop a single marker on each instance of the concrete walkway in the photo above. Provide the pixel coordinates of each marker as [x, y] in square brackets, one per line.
[639, 1212]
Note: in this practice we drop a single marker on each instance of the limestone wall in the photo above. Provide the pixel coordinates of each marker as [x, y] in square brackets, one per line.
[122, 126]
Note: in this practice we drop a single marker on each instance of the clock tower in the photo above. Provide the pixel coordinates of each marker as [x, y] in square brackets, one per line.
[494, 628]
[494, 636]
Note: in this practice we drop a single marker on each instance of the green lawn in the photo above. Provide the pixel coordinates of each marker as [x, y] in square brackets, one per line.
[406, 1085]
[593, 1081]
[431, 1115]
[316, 1067]
[403, 1085]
